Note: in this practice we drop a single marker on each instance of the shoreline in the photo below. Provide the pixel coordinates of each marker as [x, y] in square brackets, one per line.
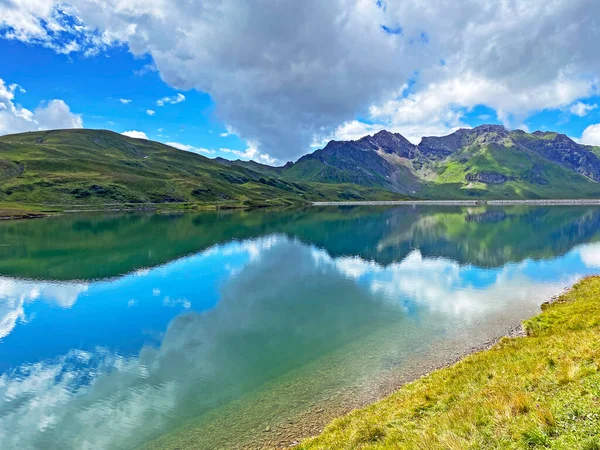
[37, 211]
[311, 424]
[453, 388]
[29, 212]
[548, 202]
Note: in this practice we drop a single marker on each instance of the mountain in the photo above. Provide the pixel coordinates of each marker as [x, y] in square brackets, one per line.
[488, 161]
[97, 167]
[380, 160]
[84, 168]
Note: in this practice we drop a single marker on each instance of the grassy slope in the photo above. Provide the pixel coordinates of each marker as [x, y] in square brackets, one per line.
[542, 391]
[91, 167]
[520, 165]
[94, 168]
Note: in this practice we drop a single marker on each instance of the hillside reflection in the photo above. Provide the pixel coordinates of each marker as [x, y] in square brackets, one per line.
[106, 246]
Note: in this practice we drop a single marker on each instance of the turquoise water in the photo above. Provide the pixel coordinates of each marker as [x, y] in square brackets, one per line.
[201, 330]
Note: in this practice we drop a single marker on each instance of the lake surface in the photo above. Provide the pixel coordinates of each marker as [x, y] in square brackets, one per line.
[233, 329]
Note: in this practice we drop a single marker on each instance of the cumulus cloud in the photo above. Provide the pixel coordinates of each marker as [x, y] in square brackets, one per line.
[440, 107]
[290, 71]
[190, 148]
[49, 115]
[135, 134]
[125, 101]
[172, 100]
[56, 114]
[581, 109]
[251, 153]
[591, 135]
[150, 112]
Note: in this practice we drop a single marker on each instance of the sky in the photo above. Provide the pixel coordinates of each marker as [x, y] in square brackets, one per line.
[271, 81]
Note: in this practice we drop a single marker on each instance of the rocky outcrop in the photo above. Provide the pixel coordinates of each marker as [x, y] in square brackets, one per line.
[393, 143]
[487, 177]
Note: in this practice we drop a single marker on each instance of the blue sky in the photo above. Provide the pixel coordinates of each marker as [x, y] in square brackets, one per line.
[93, 86]
[258, 82]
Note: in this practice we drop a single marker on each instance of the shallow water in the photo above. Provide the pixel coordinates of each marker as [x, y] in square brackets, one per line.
[217, 330]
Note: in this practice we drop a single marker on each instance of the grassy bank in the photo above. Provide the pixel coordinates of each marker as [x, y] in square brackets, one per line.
[15, 211]
[541, 391]
[20, 211]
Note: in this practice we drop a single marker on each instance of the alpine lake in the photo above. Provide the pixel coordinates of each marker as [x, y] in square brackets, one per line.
[253, 329]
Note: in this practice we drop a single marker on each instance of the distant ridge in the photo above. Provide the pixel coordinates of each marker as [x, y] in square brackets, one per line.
[99, 167]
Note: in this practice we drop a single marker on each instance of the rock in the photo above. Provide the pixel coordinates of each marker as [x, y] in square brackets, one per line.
[487, 177]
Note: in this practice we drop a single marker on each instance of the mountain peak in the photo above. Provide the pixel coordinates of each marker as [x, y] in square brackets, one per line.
[391, 143]
[383, 133]
[490, 128]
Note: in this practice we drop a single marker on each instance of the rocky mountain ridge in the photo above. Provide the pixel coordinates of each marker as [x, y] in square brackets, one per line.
[472, 161]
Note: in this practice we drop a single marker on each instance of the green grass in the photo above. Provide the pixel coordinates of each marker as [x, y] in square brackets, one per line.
[541, 391]
[79, 169]
[83, 168]
[529, 176]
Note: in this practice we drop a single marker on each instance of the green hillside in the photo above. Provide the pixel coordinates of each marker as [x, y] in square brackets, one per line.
[488, 162]
[526, 174]
[98, 168]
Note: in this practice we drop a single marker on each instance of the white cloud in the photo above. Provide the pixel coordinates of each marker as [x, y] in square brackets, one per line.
[125, 101]
[348, 131]
[441, 285]
[590, 255]
[47, 23]
[251, 153]
[581, 109]
[229, 131]
[280, 79]
[48, 115]
[591, 135]
[15, 294]
[56, 114]
[150, 112]
[190, 148]
[440, 107]
[135, 134]
[172, 100]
